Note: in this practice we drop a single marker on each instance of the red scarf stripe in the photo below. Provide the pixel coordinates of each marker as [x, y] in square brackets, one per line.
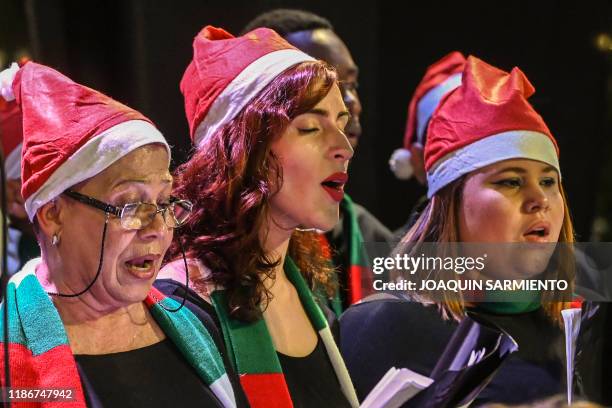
[41, 372]
[266, 390]
[355, 289]
[154, 297]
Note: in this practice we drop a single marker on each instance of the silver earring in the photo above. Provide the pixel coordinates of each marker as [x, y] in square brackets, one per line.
[55, 240]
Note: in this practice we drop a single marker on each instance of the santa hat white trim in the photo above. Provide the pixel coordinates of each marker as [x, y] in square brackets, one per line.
[93, 157]
[12, 163]
[517, 144]
[400, 164]
[242, 89]
[430, 101]
[6, 82]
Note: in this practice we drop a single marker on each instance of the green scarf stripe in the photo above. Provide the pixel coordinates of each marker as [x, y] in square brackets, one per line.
[312, 309]
[33, 320]
[511, 302]
[357, 255]
[218, 299]
[250, 343]
[191, 338]
[16, 334]
[334, 303]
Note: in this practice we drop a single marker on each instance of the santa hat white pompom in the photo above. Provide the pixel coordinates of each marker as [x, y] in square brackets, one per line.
[6, 82]
[400, 164]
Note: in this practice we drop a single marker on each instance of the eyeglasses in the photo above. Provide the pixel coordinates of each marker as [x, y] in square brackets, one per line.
[136, 216]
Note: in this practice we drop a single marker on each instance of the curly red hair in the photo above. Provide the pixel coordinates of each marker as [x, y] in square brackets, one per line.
[230, 180]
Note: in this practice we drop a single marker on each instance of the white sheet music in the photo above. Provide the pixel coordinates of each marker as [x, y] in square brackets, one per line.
[395, 388]
[571, 320]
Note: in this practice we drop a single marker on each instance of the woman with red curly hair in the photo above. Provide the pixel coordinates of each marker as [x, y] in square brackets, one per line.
[268, 171]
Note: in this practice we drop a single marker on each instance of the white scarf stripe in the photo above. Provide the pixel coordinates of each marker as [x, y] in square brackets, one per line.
[339, 366]
[222, 388]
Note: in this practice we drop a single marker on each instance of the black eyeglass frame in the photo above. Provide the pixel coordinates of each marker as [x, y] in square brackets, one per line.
[118, 211]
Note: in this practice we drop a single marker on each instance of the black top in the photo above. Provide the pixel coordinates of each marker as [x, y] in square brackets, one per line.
[152, 376]
[311, 380]
[387, 333]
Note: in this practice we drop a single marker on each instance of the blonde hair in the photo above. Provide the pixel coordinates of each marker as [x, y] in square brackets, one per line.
[439, 223]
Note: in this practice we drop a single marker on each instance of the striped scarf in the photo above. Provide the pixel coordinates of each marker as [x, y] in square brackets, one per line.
[359, 274]
[358, 280]
[251, 349]
[40, 356]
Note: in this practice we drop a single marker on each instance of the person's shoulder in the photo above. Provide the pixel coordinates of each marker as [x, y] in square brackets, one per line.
[175, 269]
[379, 306]
[194, 302]
[362, 212]
[391, 320]
[198, 276]
[29, 269]
[371, 227]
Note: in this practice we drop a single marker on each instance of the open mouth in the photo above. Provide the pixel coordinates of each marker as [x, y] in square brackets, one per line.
[142, 265]
[537, 232]
[334, 185]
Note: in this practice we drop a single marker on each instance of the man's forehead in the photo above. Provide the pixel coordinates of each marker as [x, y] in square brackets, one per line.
[324, 44]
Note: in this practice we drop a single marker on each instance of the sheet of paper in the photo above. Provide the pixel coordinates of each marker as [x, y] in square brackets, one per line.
[396, 387]
[571, 321]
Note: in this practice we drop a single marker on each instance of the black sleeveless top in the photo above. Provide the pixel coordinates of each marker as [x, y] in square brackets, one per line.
[312, 380]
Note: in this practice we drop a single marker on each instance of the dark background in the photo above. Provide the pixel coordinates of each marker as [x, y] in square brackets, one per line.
[136, 51]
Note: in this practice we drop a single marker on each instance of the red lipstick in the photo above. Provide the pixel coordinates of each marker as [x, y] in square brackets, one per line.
[334, 185]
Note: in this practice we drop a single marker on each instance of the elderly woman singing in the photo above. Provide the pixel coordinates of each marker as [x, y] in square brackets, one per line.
[83, 318]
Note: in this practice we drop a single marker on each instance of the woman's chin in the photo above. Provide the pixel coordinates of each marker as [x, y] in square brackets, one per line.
[135, 293]
[320, 228]
[136, 284]
[327, 223]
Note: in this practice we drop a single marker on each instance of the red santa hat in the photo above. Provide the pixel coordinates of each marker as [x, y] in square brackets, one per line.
[227, 72]
[484, 121]
[440, 78]
[70, 132]
[10, 125]
[11, 135]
